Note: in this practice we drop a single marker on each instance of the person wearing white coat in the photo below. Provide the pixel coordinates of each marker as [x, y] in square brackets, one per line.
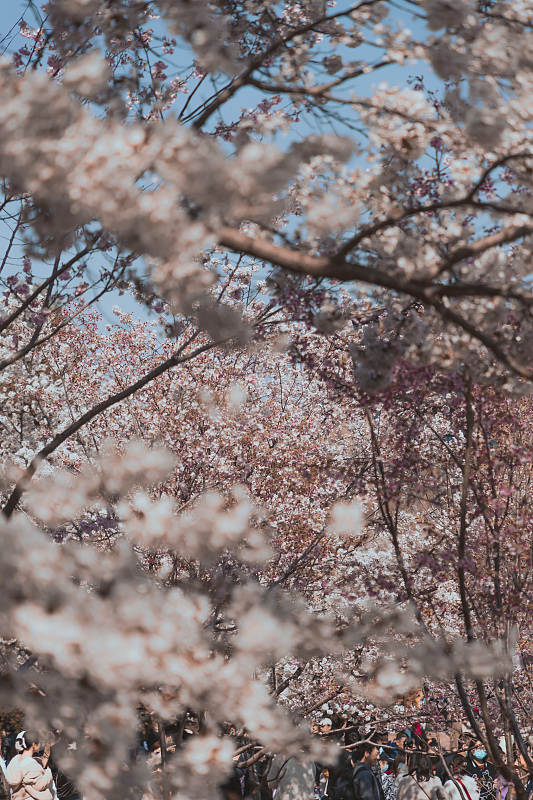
[27, 778]
[462, 787]
[419, 784]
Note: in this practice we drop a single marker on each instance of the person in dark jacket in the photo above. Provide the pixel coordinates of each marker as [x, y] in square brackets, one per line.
[479, 767]
[340, 780]
[366, 785]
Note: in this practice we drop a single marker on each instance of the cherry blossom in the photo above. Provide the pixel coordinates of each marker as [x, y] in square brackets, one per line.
[301, 474]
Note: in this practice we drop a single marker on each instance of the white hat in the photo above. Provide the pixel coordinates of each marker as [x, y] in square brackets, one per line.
[325, 721]
[20, 742]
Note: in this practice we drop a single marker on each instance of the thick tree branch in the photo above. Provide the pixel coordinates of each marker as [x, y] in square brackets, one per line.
[468, 711]
[339, 269]
[427, 292]
[322, 702]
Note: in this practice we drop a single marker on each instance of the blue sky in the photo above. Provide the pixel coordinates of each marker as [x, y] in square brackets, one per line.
[12, 10]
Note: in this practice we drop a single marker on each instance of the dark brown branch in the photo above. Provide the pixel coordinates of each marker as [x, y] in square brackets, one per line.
[463, 523]
[341, 270]
[488, 242]
[252, 760]
[33, 296]
[424, 291]
[99, 408]
[244, 78]
[315, 91]
[284, 685]
[305, 711]
[298, 561]
[11, 242]
[46, 304]
[491, 345]
[493, 745]
[468, 710]
[514, 725]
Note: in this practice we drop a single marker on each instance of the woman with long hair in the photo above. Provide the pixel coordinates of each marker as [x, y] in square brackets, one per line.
[420, 783]
[460, 786]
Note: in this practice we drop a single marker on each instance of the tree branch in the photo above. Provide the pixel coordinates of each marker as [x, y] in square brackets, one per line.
[428, 293]
[99, 408]
[55, 274]
[243, 79]
[463, 523]
[284, 685]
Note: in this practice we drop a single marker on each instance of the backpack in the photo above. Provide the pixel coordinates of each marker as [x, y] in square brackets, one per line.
[343, 788]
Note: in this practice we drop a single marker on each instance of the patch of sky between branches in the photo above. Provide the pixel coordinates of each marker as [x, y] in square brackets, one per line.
[245, 100]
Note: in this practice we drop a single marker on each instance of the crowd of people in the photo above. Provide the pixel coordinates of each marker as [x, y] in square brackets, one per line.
[411, 765]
